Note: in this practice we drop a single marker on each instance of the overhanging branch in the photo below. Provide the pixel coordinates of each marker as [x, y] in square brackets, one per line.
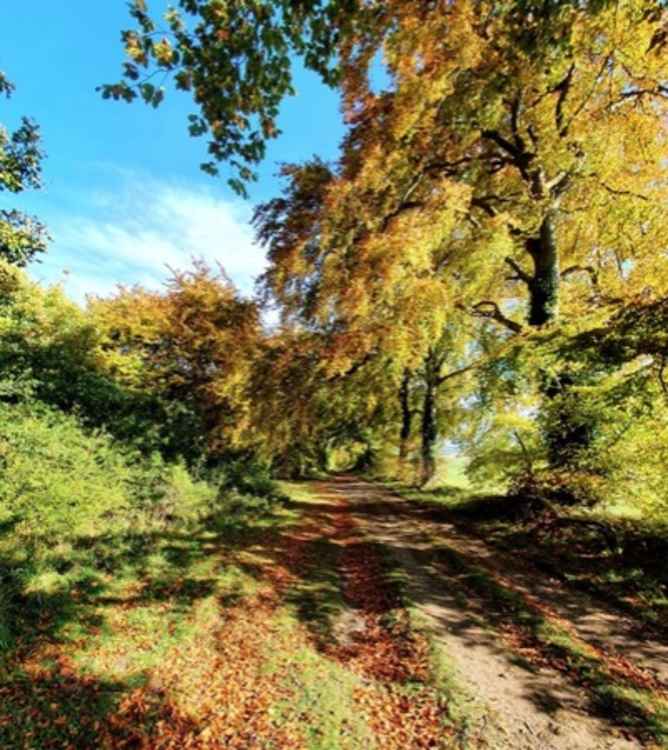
[521, 274]
[490, 309]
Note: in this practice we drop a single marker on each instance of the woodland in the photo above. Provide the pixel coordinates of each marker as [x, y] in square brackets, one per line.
[470, 339]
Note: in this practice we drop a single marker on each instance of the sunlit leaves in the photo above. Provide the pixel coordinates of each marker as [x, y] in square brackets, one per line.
[21, 236]
[195, 344]
[236, 60]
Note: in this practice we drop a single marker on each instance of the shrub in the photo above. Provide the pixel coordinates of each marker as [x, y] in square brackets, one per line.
[248, 476]
[55, 479]
[184, 498]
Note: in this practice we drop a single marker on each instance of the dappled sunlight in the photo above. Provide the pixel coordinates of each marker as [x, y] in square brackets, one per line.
[376, 461]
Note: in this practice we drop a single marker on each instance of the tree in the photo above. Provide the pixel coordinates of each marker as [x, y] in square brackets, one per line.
[21, 236]
[438, 407]
[193, 346]
[514, 168]
[563, 153]
[302, 413]
[506, 166]
[288, 227]
[236, 59]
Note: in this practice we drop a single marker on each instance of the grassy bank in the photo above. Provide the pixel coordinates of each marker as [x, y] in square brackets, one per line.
[615, 552]
[220, 619]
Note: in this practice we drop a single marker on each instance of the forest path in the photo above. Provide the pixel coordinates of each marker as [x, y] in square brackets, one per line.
[536, 660]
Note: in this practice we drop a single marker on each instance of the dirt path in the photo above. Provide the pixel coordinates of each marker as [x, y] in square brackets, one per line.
[523, 702]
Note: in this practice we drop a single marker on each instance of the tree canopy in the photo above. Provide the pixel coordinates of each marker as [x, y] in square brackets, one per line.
[21, 236]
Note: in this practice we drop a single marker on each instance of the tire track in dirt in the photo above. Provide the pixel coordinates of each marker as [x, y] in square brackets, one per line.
[373, 638]
[528, 707]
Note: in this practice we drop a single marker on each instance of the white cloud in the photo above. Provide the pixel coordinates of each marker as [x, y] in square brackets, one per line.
[133, 234]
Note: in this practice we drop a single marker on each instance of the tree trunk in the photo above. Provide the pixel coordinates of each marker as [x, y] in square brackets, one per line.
[544, 285]
[429, 434]
[406, 417]
[567, 431]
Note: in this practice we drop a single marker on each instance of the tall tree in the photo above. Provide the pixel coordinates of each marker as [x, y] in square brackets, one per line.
[507, 166]
[563, 153]
[21, 236]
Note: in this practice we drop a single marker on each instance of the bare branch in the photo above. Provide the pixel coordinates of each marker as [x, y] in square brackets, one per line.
[521, 158]
[483, 203]
[593, 273]
[514, 123]
[662, 379]
[525, 453]
[522, 275]
[489, 309]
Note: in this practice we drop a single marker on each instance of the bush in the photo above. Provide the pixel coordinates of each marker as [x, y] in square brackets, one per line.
[55, 479]
[74, 502]
[183, 498]
[248, 476]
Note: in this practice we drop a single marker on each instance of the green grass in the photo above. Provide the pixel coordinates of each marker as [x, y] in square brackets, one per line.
[324, 698]
[79, 640]
[632, 576]
[110, 615]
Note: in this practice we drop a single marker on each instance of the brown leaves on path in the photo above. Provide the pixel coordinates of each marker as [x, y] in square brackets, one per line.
[221, 694]
[234, 681]
[397, 696]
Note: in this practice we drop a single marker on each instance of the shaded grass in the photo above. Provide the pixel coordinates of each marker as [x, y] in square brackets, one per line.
[103, 644]
[81, 639]
[619, 559]
[325, 698]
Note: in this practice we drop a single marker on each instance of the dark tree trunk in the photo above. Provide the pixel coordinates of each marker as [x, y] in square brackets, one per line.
[544, 285]
[322, 452]
[429, 433]
[406, 416]
[566, 430]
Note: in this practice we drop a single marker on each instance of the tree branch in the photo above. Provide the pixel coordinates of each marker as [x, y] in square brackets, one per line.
[662, 379]
[593, 273]
[484, 205]
[525, 452]
[514, 123]
[563, 87]
[455, 373]
[507, 146]
[355, 367]
[521, 158]
[489, 309]
[401, 208]
[629, 193]
[522, 275]
[555, 186]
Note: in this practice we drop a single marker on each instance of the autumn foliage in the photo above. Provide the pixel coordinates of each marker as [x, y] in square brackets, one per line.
[481, 271]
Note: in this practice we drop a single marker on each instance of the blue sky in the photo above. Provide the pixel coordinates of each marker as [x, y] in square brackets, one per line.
[123, 192]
